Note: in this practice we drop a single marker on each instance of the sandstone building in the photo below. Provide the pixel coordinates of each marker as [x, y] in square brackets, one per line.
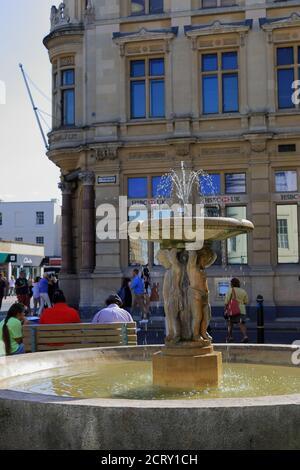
[139, 86]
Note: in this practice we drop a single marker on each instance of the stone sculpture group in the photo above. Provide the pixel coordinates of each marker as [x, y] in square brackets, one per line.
[186, 294]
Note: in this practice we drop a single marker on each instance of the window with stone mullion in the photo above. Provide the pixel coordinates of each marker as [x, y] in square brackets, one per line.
[145, 7]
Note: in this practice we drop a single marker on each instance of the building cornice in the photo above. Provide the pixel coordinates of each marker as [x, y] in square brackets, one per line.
[65, 32]
[145, 34]
[269, 24]
[217, 27]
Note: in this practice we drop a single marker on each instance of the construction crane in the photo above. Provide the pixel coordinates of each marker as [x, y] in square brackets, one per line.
[35, 109]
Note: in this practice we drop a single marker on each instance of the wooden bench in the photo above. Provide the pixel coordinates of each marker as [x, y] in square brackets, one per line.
[39, 338]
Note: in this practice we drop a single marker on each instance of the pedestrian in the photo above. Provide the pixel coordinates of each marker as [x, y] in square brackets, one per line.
[138, 289]
[44, 296]
[147, 292]
[113, 313]
[12, 286]
[36, 295]
[52, 286]
[60, 313]
[2, 289]
[235, 310]
[22, 290]
[125, 294]
[11, 333]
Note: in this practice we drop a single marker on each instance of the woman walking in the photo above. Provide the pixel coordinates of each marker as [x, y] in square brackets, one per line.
[11, 330]
[235, 310]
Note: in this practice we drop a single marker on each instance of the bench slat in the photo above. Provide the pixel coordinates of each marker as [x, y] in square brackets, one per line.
[81, 326]
[72, 334]
[78, 346]
[78, 339]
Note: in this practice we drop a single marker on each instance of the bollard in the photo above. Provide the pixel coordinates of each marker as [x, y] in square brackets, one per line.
[260, 320]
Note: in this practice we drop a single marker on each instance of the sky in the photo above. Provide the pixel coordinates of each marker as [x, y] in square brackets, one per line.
[26, 174]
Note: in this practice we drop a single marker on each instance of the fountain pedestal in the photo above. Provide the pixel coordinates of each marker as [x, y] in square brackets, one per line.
[188, 367]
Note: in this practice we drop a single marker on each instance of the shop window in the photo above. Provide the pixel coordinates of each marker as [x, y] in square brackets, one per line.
[237, 247]
[287, 234]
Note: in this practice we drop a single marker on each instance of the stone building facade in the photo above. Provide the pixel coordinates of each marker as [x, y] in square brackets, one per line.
[138, 87]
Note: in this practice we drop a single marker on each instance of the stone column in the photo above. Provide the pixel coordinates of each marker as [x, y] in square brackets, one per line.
[88, 234]
[67, 232]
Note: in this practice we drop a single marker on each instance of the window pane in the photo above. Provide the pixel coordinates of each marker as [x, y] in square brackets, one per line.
[229, 61]
[68, 107]
[286, 181]
[137, 188]
[137, 7]
[40, 218]
[157, 96]
[285, 91]
[287, 234]
[237, 251]
[210, 184]
[138, 99]
[230, 93]
[68, 77]
[285, 56]
[161, 186]
[235, 183]
[156, 6]
[209, 3]
[137, 68]
[210, 94]
[157, 67]
[209, 62]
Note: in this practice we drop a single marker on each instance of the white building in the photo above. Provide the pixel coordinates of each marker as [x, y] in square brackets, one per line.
[32, 222]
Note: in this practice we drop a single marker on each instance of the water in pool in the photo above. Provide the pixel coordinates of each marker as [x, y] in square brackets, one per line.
[133, 380]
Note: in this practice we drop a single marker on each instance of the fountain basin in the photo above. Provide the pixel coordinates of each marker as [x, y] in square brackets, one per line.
[213, 228]
[35, 421]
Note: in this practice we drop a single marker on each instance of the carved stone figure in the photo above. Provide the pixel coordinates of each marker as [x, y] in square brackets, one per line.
[199, 293]
[172, 293]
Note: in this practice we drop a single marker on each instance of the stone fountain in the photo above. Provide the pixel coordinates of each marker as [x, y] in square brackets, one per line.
[188, 360]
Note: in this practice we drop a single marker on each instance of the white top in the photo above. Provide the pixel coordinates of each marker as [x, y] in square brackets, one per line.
[12, 283]
[112, 314]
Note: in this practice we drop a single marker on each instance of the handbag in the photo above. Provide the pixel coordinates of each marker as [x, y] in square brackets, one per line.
[233, 307]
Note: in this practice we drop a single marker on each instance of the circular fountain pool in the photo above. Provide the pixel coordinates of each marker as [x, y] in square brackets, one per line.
[103, 399]
[132, 380]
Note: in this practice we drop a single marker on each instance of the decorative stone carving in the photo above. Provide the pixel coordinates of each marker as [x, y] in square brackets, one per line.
[59, 16]
[65, 187]
[107, 152]
[90, 13]
[87, 178]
